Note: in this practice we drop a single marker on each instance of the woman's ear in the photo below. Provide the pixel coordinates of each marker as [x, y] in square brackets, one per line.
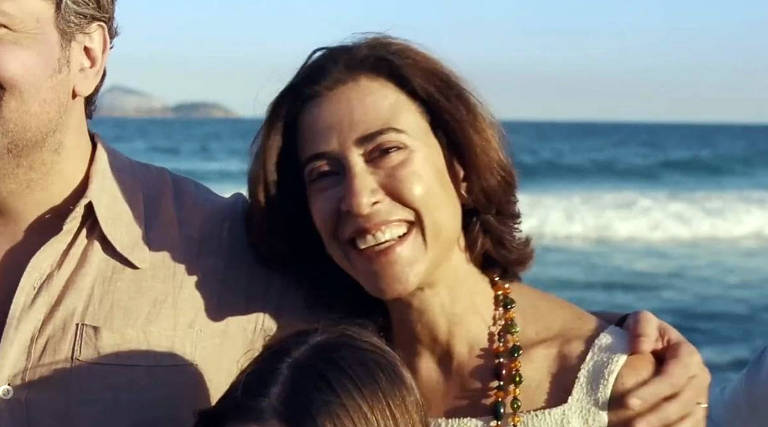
[456, 171]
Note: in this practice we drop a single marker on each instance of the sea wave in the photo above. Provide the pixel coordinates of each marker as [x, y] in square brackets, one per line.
[751, 168]
[645, 217]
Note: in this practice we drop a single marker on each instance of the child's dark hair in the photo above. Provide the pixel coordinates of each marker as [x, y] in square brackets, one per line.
[337, 376]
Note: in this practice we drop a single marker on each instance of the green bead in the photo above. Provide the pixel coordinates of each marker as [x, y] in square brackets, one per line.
[508, 303]
[517, 379]
[516, 404]
[515, 351]
[498, 300]
[498, 410]
[511, 328]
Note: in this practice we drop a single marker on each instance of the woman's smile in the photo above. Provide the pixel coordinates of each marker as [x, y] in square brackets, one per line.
[379, 238]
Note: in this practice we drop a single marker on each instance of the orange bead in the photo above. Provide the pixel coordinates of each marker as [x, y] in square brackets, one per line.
[516, 419]
[500, 394]
[516, 392]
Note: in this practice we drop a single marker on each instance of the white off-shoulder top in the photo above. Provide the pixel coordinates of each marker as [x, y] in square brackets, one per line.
[587, 404]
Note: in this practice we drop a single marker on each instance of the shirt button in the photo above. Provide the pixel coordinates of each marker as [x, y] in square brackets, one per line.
[6, 392]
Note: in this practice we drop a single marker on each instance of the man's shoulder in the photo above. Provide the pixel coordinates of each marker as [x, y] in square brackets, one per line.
[164, 193]
[175, 214]
[157, 180]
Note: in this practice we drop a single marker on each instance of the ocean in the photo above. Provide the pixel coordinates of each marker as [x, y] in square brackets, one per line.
[669, 218]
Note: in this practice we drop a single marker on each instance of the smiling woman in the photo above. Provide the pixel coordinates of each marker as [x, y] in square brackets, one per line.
[384, 171]
[438, 110]
[378, 171]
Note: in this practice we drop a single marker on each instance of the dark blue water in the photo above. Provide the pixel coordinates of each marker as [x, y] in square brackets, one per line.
[640, 155]
[671, 218]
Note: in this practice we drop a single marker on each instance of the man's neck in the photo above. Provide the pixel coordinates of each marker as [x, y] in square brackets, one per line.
[45, 182]
[37, 192]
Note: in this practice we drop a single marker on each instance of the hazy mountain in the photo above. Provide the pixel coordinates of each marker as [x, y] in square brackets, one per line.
[120, 101]
[201, 109]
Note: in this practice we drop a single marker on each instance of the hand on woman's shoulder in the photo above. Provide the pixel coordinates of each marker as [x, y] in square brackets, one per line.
[638, 369]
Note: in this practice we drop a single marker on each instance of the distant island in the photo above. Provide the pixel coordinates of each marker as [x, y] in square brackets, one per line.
[120, 101]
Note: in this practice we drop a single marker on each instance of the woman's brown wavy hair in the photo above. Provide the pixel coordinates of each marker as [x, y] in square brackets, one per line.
[281, 225]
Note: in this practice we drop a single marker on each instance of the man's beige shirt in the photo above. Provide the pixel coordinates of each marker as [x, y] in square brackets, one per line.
[141, 310]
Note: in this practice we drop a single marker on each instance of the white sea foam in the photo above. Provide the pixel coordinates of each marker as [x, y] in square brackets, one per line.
[652, 216]
[227, 190]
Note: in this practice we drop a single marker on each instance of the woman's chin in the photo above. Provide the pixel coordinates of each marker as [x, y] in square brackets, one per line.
[389, 287]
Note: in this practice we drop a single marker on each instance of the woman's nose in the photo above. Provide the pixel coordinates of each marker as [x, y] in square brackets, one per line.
[361, 192]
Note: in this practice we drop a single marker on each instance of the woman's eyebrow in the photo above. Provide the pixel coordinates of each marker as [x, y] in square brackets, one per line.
[371, 136]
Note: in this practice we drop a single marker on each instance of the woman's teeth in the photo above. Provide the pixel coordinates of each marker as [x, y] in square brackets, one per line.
[382, 235]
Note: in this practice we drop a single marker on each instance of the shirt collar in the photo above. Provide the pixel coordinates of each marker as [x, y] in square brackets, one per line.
[116, 195]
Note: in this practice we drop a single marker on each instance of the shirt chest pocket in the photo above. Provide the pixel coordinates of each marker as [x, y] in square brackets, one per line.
[137, 372]
[133, 347]
[122, 377]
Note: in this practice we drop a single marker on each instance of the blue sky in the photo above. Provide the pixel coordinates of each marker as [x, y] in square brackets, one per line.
[675, 60]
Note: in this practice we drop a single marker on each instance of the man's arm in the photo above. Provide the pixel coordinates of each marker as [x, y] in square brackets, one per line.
[680, 385]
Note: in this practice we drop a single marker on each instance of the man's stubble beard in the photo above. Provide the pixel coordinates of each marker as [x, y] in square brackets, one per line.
[31, 135]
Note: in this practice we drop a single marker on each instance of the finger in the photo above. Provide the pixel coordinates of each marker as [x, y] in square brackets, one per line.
[697, 418]
[674, 410]
[681, 363]
[643, 328]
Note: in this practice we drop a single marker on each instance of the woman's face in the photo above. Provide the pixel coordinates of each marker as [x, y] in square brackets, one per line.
[378, 187]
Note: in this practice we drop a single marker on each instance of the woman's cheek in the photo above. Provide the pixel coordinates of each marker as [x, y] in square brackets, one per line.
[323, 214]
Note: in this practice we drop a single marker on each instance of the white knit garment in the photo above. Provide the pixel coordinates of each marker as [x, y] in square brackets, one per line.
[587, 404]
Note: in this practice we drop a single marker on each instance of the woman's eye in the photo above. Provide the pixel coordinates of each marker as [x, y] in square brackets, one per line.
[384, 151]
[388, 150]
[319, 175]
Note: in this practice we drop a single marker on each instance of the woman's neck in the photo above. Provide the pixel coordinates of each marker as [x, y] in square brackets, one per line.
[441, 331]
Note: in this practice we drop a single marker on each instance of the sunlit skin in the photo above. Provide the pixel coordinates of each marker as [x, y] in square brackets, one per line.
[43, 132]
[380, 166]
[371, 162]
[45, 147]
[35, 87]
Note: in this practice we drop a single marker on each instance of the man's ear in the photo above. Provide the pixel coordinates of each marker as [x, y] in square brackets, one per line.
[88, 58]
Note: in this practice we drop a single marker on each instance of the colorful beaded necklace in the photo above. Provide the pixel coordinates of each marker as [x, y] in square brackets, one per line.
[507, 351]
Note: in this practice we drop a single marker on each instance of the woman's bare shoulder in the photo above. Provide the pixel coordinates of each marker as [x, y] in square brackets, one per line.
[557, 336]
[556, 317]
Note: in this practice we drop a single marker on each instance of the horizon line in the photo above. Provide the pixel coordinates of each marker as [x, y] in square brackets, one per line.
[606, 121]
